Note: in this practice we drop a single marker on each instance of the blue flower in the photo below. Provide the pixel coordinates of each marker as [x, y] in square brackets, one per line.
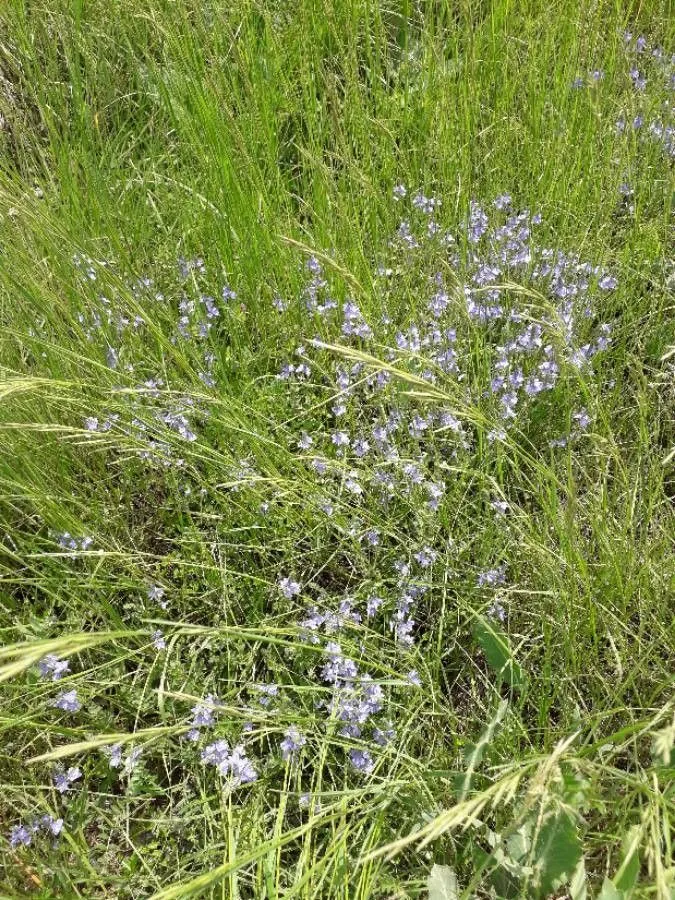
[492, 577]
[64, 780]
[132, 759]
[267, 693]
[608, 283]
[361, 760]
[385, 736]
[289, 588]
[426, 557]
[52, 666]
[293, 741]
[413, 678]
[203, 714]
[234, 766]
[158, 640]
[496, 611]
[54, 826]
[67, 701]
[19, 834]
[114, 754]
[582, 419]
[156, 594]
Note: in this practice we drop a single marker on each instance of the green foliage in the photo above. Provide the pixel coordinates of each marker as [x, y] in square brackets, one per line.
[442, 883]
[473, 753]
[495, 645]
[556, 851]
[536, 758]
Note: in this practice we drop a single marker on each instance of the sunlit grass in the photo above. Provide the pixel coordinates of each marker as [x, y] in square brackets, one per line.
[155, 480]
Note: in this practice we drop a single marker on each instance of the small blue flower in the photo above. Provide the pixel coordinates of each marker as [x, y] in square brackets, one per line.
[372, 537]
[114, 754]
[340, 439]
[413, 678]
[492, 577]
[385, 736]
[51, 666]
[582, 419]
[289, 588]
[67, 701]
[234, 766]
[158, 640]
[502, 202]
[426, 557]
[212, 311]
[293, 741]
[64, 780]
[203, 714]
[361, 760]
[372, 606]
[132, 760]
[496, 611]
[54, 826]
[19, 834]
[267, 693]
[501, 507]
[156, 594]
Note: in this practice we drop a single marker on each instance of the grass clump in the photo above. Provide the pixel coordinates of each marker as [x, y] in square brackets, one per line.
[336, 450]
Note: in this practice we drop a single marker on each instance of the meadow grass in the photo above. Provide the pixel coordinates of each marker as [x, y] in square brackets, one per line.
[386, 508]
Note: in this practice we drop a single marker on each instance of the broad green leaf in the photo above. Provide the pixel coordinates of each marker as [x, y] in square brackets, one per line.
[519, 842]
[473, 753]
[627, 873]
[609, 892]
[557, 851]
[578, 886]
[664, 742]
[442, 883]
[497, 650]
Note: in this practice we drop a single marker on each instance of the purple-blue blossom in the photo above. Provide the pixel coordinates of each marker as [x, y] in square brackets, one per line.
[114, 754]
[267, 693]
[50, 666]
[19, 834]
[491, 577]
[233, 765]
[204, 713]
[158, 640]
[426, 557]
[155, 593]
[63, 780]
[361, 760]
[289, 588]
[67, 701]
[293, 741]
[338, 668]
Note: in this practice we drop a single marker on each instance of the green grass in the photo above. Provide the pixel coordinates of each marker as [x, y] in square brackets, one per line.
[536, 758]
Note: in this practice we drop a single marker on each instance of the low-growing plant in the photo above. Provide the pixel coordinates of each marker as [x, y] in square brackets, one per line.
[335, 480]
